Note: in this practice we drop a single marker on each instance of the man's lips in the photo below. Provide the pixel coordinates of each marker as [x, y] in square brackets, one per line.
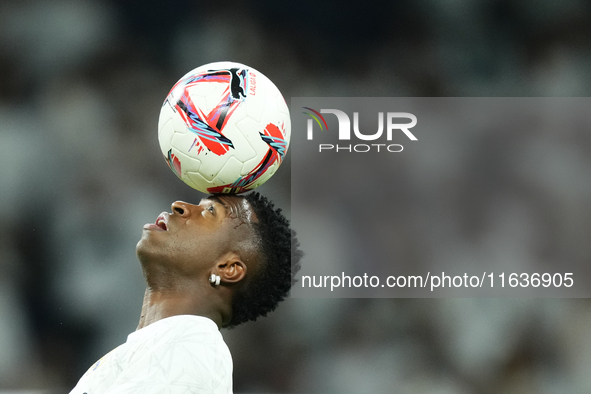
[160, 224]
[162, 221]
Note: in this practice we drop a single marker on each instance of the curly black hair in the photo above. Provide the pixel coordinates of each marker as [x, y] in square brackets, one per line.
[280, 261]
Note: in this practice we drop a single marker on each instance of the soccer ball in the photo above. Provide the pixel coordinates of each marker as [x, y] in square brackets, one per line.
[224, 128]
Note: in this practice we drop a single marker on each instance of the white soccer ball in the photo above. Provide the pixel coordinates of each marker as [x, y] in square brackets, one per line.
[224, 128]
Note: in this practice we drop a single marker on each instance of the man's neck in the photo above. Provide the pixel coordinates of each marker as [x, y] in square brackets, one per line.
[160, 304]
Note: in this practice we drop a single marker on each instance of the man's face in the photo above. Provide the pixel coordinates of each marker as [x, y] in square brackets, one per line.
[193, 237]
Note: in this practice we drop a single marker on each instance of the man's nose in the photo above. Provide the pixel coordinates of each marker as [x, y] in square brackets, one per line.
[181, 208]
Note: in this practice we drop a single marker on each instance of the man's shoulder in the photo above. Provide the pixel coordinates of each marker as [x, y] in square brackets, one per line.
[188, 348]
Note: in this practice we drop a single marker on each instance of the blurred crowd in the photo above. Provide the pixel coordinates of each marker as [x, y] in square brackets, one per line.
[81, 85]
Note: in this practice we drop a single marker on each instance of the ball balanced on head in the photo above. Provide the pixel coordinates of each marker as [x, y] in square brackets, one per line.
[224, 128]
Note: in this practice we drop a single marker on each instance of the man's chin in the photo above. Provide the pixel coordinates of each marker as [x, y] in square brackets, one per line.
[145, 249]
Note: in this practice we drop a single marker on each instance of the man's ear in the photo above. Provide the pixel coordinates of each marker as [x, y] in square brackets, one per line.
[231, 269]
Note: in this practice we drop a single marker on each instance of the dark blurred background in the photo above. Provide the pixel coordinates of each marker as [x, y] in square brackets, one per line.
[81, 85]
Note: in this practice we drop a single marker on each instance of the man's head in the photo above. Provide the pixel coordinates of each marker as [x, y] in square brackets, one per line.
[242, 239]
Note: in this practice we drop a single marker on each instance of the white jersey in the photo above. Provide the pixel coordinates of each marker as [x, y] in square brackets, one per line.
[179, 354]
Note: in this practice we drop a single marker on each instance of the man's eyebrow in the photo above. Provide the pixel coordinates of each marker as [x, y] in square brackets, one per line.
[217, 199]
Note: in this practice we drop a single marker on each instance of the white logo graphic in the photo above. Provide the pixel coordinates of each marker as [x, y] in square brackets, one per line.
[394, 122]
